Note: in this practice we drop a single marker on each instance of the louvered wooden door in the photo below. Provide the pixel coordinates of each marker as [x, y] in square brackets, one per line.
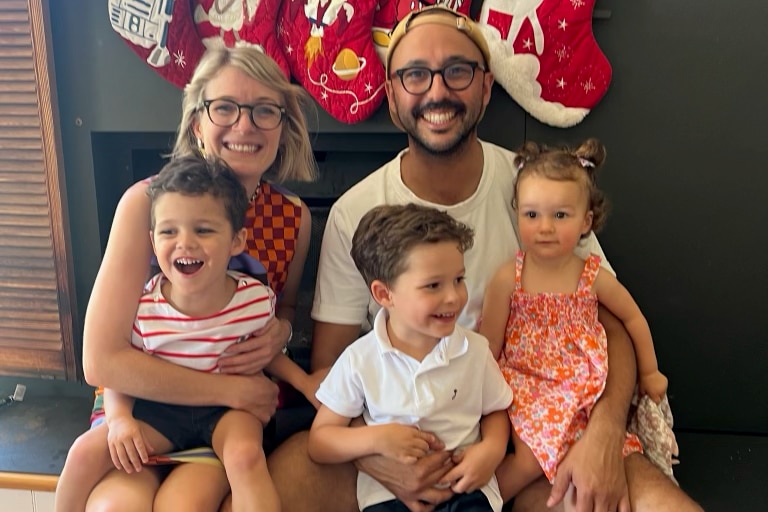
[36, 291]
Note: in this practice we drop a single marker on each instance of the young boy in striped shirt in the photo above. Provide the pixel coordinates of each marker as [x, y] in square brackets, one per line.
[189, 314]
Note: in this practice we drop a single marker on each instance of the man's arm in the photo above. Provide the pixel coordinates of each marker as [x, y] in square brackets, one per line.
[595, 464]
[341, 296]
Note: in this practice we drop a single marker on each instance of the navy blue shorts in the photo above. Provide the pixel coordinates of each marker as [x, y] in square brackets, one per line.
[183, 425]
[472, 502]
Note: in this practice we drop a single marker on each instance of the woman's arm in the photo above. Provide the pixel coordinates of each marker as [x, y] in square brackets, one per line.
[108, 358]
[493, 323]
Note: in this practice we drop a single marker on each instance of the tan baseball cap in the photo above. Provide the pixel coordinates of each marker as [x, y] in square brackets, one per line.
[441, 15]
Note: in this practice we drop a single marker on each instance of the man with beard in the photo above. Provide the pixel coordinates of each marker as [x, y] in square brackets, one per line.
[438, 86]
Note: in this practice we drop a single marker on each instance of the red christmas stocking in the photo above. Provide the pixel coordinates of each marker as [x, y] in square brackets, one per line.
[168, 38]
[544, 54]
[330, 51]
[241, 22]
[389, 12]
[165, 37]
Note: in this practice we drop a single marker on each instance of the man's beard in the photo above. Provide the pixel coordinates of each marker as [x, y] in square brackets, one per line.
[449, 149]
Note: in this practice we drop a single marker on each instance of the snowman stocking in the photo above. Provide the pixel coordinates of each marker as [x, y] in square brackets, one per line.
[544, 54]
[241, 22]
[330, 51]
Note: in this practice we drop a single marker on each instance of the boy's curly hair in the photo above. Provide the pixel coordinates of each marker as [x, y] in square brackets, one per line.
[196, 176]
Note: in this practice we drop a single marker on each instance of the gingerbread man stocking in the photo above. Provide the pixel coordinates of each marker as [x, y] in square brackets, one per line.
[330, 51]
[544, 54]
[241, 22]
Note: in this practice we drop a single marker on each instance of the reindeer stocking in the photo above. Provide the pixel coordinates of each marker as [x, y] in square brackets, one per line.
[241, 22]
[389, 12]
[544, 54]
[330, 51]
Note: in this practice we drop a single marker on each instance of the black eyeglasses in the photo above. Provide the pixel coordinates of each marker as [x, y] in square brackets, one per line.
[456, 77]
[225, 113]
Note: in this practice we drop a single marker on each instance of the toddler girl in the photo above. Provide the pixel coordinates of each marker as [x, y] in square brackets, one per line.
[540, 312]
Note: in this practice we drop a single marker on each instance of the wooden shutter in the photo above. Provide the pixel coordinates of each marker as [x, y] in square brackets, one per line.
[36, 290]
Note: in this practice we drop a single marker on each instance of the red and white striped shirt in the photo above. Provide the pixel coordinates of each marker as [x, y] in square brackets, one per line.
[197, 343]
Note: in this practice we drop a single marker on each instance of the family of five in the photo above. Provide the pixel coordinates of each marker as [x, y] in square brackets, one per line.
[471, 345]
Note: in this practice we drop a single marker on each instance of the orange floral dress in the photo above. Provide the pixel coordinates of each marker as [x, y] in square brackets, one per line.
[555, 359]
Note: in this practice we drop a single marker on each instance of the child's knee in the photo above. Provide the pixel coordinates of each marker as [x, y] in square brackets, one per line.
[244, 456]
[87, 449]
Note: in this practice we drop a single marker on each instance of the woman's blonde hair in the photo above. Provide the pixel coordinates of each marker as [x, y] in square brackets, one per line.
[294, 160]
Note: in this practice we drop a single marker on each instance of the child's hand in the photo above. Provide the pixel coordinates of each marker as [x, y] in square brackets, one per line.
[654, 385]
[475, 466]
[127, 445]
[403, 443]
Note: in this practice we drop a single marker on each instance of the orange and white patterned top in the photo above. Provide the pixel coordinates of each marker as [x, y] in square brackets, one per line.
[555, 359]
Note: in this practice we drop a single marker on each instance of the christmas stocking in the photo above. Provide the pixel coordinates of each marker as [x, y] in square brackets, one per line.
[389, 12]
[330, 51]
[241, 22]
[165, 36]
[544, 54]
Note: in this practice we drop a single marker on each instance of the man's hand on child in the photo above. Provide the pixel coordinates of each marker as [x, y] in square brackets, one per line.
[128, 447]
[403, 443]
[654, 385]
[595, 467]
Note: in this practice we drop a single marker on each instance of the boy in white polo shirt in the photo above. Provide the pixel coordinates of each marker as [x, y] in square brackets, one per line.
[418, 379]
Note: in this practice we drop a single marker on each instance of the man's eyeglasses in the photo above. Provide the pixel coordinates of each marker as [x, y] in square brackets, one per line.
[456, 77]
[225, 113]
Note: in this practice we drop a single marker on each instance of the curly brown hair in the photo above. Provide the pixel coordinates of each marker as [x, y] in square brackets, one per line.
[386, 235]
[566, 164]
[197, 176]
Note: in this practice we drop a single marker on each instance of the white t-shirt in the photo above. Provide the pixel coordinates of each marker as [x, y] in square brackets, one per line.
[341, 295]
[446, 393]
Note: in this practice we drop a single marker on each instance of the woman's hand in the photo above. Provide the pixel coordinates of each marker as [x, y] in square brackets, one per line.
[255, 394]
[252, 355]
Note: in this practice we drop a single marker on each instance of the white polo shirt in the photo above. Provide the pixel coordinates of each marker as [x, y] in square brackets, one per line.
[447, 393]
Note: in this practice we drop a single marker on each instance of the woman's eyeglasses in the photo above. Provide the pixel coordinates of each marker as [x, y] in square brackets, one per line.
[225, 113]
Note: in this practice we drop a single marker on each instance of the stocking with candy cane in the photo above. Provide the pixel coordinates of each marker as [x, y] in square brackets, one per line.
[544, 54]
[330, 51]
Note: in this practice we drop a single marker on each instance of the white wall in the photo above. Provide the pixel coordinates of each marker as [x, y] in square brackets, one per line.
[15, 500]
